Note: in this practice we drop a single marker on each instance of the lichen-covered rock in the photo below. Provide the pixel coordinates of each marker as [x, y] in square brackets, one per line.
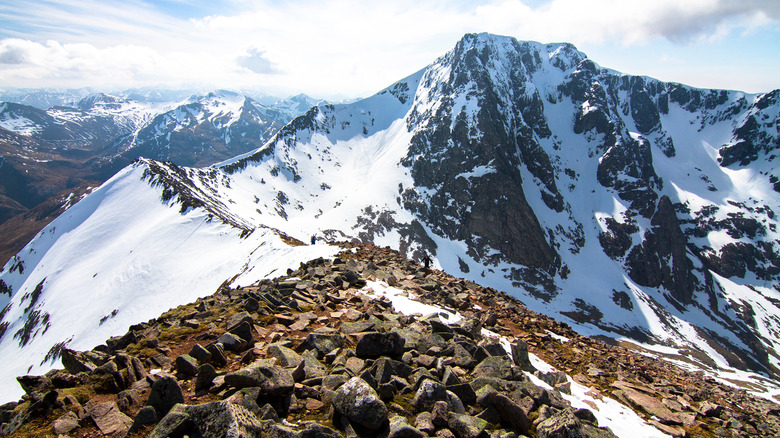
[466, 426]
[273, 380]
[428, 394]
[400, 428]
[563, 424]
[359, 402]
[65, 423]
[285, 356]
[109, 419]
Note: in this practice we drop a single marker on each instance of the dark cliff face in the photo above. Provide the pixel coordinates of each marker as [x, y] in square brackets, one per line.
[468, 163]
[661, 260]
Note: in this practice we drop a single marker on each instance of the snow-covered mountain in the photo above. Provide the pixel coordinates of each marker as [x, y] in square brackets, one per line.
[47, 151]
[625, 206]
[44, 99]
[207, 129]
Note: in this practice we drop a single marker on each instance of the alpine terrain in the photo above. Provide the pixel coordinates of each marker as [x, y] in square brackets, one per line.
[626, 207]
[61, 152]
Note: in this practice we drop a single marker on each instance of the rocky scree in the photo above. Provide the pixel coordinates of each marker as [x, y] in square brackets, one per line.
[309, 355]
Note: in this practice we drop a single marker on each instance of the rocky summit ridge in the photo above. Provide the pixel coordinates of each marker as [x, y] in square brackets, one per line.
[321, 352]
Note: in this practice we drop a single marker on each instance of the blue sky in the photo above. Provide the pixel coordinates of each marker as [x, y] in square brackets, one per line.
[350, 48]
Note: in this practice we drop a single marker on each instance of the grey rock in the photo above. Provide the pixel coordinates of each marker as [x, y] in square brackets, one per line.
[232, 342]
[244, 331]
[215, 419]
[499, 367]
[165, 393]
[206, 376]
[128, 399]
[273, 380]
[466, 426]
[357, 401]
[247, 397]
[430, 392]
[109, 419]
[372, 345]
[75, 363]
[562, 424]
[400, 428]
[465, 393]
[237, 319]
[440, 414]
[333, 381]
[187, 366]
[217, 354]
[512, 413]
[286, 357]
[323, 343]
[520, 356]
[200, 354]
[65, 423]
[145, 417]
[32, 384]
[424, 423]
[455, 404]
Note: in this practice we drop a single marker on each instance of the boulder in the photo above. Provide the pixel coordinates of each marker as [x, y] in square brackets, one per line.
[206, 375]
[561, 424]
[512, 413]
[109, 419]
[65, 423]
[165, 393]
[357, 401]
[520, 356]
[466, 426]
[217, 351]
[186, 366]
[430, 392]
[200, 354]
[323, 343]
[400, 428]
[244, 331]
[232, 342]
[273, 380]
[237, 319]
[498, 367]
[286, 357]
[145, 417]
[372, 345]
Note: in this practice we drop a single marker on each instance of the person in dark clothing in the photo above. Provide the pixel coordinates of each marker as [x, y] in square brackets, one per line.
[313, 240]
[427, 261]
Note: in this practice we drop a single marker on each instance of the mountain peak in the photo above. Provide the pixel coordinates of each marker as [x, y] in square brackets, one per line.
[96, 99]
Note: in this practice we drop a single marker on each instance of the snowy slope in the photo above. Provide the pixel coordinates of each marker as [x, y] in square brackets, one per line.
[116, 258]
[626, 206]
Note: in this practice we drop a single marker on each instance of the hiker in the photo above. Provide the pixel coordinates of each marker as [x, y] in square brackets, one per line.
[313, 240]
[427, 260]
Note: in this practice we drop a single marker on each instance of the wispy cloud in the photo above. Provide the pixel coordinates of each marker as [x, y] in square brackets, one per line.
[321, 47]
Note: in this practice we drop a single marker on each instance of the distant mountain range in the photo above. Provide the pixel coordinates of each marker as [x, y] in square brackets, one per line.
[47, 152]
[627, 207]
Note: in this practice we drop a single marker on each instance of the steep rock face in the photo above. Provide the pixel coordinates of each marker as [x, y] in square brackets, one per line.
[758, 133]
[662, 258]
[467, 156]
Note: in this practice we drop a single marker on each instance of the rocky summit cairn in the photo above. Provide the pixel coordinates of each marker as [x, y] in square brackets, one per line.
[311, 355]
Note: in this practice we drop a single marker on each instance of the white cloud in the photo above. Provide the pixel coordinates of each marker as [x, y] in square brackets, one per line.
[337, 46]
